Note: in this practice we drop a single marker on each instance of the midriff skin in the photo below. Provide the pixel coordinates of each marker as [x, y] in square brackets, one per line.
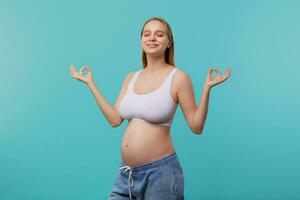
[144, 142]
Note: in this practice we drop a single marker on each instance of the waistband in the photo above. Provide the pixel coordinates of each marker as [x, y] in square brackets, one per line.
[157, 163]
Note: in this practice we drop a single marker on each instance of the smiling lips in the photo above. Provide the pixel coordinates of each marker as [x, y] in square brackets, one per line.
[152, 45]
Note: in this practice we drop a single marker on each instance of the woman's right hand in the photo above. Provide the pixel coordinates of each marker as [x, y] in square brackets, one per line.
[88, 79]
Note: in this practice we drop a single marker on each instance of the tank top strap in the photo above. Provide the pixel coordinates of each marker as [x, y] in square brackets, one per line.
[170, 77]
[172, 73]
[133, 80]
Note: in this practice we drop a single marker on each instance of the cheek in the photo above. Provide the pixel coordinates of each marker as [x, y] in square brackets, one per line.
[143, 40]
[164, 42]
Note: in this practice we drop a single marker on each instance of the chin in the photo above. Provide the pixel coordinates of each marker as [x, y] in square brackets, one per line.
[153, 51]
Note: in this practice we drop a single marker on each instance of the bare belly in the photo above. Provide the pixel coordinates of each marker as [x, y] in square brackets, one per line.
[144, 142]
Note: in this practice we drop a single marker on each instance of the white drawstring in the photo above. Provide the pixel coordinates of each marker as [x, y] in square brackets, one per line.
[129, 178]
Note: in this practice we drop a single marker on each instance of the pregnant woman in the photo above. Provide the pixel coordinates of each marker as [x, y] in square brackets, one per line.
[150, 168]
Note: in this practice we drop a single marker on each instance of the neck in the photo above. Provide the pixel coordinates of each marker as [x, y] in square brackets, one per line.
[155, 62]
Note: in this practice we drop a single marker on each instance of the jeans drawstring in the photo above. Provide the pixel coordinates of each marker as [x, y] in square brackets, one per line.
[129, 178]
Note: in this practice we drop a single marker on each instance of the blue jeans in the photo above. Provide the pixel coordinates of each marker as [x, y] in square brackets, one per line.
[162, 179]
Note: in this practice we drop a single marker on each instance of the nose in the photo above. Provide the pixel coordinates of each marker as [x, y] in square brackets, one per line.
[152, 37]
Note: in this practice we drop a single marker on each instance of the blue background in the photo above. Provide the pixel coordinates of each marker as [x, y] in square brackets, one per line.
[56, 144]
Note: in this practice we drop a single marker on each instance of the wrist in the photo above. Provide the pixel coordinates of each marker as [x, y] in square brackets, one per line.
[207, 88]
[90, 84]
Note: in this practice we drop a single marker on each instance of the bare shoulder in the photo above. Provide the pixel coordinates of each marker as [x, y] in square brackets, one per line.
[181, 74]
[181, 77]
[128, 77]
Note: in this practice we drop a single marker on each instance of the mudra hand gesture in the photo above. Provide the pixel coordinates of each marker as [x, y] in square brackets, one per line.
[212, 81]
[88, 79]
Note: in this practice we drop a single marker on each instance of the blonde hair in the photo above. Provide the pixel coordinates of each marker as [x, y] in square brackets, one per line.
[169, 53]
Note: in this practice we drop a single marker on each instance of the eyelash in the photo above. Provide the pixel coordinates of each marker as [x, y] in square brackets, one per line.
[157, 35]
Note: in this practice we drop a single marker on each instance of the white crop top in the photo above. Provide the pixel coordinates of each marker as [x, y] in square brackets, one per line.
[156, 106]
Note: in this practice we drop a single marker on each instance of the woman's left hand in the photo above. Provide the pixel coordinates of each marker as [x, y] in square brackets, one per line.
[212, 81]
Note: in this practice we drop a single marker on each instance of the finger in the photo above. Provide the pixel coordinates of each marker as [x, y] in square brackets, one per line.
[81, 70]
[88, 69]
[73, 71]
[211, 70]
[216, 70]
[225, 77]
[228, 72]
[71, 67]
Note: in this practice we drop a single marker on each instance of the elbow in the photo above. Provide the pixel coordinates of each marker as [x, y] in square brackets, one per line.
[116, 123]
[197, 131]
[197, 127]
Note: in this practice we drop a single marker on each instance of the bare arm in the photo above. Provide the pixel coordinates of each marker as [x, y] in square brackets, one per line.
[111, 113]
[201, 111]
[196, 115]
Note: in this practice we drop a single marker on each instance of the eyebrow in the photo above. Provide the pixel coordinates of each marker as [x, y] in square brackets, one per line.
[155, 31]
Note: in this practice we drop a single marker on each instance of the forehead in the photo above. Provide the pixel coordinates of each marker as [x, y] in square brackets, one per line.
[154, 26]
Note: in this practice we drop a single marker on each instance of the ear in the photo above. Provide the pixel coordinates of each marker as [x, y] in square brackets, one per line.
[170, 44]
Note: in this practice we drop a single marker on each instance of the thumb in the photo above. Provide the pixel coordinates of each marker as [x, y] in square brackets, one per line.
[81, 70]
